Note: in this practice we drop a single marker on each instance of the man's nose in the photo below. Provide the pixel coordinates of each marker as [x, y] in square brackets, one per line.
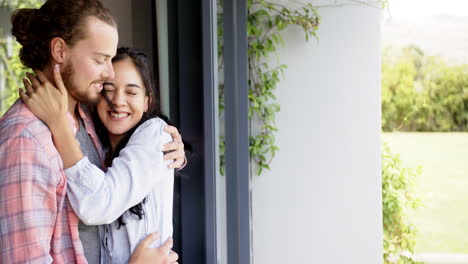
[109, 71]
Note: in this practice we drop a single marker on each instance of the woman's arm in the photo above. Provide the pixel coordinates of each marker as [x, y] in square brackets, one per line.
[100, 197]
[50, 104]
[66, 143]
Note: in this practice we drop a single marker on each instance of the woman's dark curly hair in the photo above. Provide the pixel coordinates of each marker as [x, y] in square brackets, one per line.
[35, 28]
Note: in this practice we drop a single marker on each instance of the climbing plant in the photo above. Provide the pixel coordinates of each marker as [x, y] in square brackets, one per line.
[265, 22]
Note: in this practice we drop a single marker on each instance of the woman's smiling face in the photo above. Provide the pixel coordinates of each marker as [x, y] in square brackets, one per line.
[127, 94]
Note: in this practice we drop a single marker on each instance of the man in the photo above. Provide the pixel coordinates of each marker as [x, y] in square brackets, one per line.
[37, 223]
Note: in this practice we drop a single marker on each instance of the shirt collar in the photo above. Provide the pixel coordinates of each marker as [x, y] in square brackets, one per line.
[83, 114]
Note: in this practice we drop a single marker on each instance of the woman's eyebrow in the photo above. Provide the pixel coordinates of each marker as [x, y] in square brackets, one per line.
[108, 83]
[133, 85]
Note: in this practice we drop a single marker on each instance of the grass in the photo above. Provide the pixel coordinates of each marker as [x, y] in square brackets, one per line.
[442, 221]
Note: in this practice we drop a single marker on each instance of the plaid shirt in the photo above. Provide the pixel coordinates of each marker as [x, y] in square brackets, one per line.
[37, 222]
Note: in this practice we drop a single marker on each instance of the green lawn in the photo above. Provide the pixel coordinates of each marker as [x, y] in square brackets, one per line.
[442, 221]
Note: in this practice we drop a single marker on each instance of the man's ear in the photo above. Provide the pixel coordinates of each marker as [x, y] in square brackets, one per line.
[58, 48]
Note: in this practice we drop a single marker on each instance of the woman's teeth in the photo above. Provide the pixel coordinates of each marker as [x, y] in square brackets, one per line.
[119, 115]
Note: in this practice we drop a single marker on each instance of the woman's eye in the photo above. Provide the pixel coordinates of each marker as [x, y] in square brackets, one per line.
[132, 93]
[108, 91]
[99, 62]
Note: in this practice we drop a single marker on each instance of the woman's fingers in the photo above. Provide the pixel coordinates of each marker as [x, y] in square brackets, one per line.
[173, 257]
[41, 77]
[27, 85]
[176, 164]
[174, 155]
[178, 157]
[173, 131]
[23, 95]
[143, 253]
[59, 80]
[166, 246]
[176, 148]
[40, 80]
[173, 145]
[34, 81]
[150, 239]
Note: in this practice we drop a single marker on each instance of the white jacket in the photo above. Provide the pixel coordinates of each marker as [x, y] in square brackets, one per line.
[139, 171]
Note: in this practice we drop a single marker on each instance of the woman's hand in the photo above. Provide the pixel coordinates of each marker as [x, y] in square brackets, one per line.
[176, 148]
[50, 104]
[47, 102]
[161, 255]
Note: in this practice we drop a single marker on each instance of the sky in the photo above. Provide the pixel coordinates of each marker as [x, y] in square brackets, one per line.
[408, 9]
[439, 27]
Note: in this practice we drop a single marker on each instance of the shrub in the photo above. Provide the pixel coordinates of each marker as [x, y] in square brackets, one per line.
[397, 200]
[422, 93]
[399, 93]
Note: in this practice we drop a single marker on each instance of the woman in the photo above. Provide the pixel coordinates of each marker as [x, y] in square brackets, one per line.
[129, 114]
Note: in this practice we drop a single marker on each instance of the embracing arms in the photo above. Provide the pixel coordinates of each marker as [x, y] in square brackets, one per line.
[50, 104]
[127, 181]
[101, 197]
[40, 97]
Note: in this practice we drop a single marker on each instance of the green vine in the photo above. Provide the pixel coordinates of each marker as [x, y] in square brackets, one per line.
[265, 22]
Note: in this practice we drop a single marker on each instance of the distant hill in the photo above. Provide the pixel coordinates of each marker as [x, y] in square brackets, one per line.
[444, 35]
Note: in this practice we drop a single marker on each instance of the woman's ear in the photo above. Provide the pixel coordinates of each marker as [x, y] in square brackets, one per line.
[147, 102]
[58, 48]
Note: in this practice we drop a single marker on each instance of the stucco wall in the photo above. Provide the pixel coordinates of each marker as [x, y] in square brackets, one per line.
[321, 201]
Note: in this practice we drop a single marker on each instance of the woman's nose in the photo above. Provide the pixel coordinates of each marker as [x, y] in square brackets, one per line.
[118, 99]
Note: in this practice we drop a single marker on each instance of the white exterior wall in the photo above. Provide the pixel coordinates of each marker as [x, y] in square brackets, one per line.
[321, 201]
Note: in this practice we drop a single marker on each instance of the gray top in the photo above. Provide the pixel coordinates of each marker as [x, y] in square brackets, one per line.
[116, 247]
[89, 235]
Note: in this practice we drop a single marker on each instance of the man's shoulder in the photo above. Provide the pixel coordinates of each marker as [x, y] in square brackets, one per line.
[19, 121]
[151, 132]
[22, 132]
[152, 126]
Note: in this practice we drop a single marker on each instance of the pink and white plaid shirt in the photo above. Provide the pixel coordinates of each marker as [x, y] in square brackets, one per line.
[37, 222]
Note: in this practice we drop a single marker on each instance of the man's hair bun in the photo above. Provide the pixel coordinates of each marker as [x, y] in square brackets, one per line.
[21, 20]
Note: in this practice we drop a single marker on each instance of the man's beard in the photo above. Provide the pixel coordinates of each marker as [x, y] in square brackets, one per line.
[81, 96]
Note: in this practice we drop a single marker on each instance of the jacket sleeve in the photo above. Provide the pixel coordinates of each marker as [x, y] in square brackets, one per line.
[99, 197]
